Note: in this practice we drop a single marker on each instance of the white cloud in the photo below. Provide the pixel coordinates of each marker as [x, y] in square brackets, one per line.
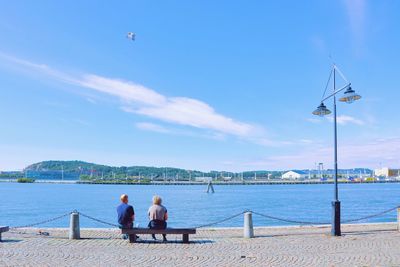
[148, 126]
[306, 141]
[91, 100]
[191, 112]
[359, 153]
[138, 99]
[125, 90]
[356, 12]
[344, 119]
[153, 127]
[313, 120]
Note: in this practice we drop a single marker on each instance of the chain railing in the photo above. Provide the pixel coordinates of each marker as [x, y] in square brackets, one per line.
[99, 220]
[221, 221]
[41, 222]
[300, 222]
[288, 220]
[371, 216]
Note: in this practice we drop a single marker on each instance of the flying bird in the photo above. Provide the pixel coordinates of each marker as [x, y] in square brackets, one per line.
[131, 36]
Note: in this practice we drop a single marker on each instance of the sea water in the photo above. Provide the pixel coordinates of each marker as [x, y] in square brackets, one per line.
[190, 205]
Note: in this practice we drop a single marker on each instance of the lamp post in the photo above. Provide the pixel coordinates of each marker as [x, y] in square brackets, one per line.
[349, 97]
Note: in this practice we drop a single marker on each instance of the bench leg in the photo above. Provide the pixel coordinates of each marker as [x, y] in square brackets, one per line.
[132, 238]
[185, 238]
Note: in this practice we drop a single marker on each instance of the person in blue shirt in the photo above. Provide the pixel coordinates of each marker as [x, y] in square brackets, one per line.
[126, 214]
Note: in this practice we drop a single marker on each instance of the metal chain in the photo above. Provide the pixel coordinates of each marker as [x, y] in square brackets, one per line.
[42, 222]
[287, 220]
[315, 223]
[213, 223]
[221, 221]
[98, 220]
[371, 216]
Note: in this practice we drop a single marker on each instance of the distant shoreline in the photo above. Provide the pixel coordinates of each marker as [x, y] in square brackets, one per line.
[264, 182]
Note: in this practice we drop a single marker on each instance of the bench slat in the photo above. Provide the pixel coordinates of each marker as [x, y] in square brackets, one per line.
[176, 231]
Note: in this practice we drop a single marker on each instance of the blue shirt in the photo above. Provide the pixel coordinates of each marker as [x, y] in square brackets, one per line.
[125, 213]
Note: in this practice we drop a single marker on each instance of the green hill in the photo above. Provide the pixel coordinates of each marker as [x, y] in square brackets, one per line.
[97, 170]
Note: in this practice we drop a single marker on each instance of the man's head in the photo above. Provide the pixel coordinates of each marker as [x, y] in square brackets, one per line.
[124, 198]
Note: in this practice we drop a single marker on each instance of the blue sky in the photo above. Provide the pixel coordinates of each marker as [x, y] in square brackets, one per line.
[209, 85]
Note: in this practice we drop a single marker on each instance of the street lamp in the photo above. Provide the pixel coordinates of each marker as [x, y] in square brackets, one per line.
[349, 97]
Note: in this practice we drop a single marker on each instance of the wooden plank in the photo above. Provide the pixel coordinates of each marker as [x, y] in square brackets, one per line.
[158, 231]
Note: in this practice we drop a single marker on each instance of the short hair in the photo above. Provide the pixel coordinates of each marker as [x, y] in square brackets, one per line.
[157, 200]
[123, 197]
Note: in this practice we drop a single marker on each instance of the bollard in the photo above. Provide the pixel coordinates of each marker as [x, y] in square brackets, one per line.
[398, 219]
[74, 230]
[248, 231]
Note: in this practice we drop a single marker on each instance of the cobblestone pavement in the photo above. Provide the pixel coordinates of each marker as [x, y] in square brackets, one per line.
[360, 245]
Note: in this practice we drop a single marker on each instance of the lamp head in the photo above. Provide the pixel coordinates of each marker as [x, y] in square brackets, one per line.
[321, 110]
[349, 96]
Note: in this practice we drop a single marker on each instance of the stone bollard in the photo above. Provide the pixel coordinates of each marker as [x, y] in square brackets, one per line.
[398, 219]
[248, 231]
[74, 230]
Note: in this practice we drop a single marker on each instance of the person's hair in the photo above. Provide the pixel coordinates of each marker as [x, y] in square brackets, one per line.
[157, 200]
[123, 197]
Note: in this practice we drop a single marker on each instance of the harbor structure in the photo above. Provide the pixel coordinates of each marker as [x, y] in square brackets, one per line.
[294, 175]
[387, 172]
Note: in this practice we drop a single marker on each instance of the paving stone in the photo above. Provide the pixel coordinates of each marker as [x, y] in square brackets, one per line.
[360, 245]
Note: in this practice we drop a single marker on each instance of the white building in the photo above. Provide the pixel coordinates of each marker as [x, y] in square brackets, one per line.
[294, 175]
[205, 179]
[387, 172]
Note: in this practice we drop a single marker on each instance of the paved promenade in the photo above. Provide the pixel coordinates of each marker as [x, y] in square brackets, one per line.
[360, 245]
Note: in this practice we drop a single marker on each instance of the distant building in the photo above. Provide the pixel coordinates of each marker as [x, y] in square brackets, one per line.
[203, 179]
[227, 178]
[294, 175]
[387, 172]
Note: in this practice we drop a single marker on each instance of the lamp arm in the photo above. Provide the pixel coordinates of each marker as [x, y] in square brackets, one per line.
[340, 73]
[336, 91]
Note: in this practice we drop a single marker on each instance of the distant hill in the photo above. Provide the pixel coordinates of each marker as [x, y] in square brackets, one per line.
[80, 169]
[83, 167]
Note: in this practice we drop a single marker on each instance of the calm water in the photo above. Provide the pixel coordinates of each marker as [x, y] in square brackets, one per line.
[190, 206]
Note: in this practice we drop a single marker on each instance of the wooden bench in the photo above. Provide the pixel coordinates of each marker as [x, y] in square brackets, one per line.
[3, 229]
[185, 232]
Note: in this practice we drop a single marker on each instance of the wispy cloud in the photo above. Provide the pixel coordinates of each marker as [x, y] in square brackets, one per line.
[341, 119]
[158, 128]
[148, 126]
[91, 100]
[358, 153]
[356, 12]
[314, 120]
[344, 119]
[141, 100]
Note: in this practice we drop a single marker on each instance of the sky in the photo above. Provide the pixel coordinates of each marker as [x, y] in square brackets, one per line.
[205, 85]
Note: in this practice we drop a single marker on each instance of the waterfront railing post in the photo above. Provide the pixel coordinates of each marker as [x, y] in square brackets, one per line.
[74, 230]
[248, 231]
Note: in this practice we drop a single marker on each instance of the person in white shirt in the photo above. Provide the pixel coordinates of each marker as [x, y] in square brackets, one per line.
[158, 216]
